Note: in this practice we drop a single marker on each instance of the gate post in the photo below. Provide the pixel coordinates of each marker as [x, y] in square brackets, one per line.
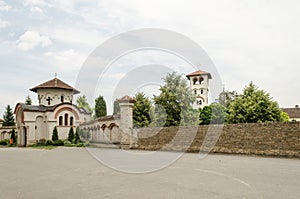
[126, 122]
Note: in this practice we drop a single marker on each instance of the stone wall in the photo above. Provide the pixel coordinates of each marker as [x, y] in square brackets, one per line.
[271, 139]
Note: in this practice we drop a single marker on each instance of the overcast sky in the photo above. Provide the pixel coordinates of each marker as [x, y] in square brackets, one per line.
[248, 40]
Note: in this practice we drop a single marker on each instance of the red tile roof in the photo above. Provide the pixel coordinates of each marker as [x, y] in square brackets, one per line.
[54, 83]
[127, 98]
[1, 120]
[292, 112]
[198, 72]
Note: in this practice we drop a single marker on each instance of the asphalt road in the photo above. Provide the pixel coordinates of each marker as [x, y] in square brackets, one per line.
[74, 173]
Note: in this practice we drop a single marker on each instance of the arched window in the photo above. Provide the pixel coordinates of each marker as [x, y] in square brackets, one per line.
[195, 79]
[60, 122]
[66, 119]
[71, 121]
[62, 99]
[195, 91]
[201, 80]
[201, 91]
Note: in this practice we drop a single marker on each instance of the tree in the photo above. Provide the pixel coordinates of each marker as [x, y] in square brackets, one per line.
[82, 103]
[71, 134]
[54, 134]
[116, 107]
[205, 115]
[77, 137]
[13, 136]
[253, 106]
[8, 117]
[226, 97]
[141, 108]
[100, 107]
[28, 100]
[173, 107]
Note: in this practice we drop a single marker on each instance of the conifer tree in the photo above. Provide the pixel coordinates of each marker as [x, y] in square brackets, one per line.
[71, 134]
[100, 107]
[55, 134]
[8, 117]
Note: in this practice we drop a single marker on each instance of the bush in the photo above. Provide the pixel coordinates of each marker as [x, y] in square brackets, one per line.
[49, 142]
[4, 142]
[42, 142]
[80, 145]
[58, 143]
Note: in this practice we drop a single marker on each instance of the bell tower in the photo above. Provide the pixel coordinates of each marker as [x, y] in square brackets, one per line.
[199, 84]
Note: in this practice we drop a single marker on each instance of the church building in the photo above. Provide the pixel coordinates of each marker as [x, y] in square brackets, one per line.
[199, 84]
[35, 122]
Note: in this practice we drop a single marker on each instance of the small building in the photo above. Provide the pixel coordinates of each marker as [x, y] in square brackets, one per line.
[199, 84]
[55, 109]
[294, 113]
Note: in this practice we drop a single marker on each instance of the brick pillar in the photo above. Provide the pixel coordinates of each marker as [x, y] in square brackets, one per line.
[126, 122]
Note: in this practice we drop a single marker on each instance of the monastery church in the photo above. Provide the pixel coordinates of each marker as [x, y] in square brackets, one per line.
[35, 122]
[55, 108]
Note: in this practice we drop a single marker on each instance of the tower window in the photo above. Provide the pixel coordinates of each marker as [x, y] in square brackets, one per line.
[195, 80]
[195, 91]
[201, 91]
[201, 80]
[62, 99]
[60, 122]
[66, 119]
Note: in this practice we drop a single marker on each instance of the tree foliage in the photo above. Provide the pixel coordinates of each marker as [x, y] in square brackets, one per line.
[8, 117]
[173, 107]
[100, 107]
[116, 107]
[28, 100]
[82, 103]
[254, 106]
[54, 134]
[71, 134]
[226, 97]
[141, 110]
[213, 114]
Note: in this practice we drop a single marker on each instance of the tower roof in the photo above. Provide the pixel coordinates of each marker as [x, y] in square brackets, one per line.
[54, 83]
[127, 98]
[198, 72]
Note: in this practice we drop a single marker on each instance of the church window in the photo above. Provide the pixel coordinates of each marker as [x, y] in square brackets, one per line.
[62, 99]
[66, 119]
[201, 91]
[71, 121]
[60, 122]
[195, 91]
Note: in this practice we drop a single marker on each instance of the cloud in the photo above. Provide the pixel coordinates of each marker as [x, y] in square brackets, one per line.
[37, 10]
[36, 3]
[67, 60]
[31, 39]
[4, 6]
[4, 24]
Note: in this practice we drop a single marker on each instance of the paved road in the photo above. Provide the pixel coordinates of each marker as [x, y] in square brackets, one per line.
[74, 173]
